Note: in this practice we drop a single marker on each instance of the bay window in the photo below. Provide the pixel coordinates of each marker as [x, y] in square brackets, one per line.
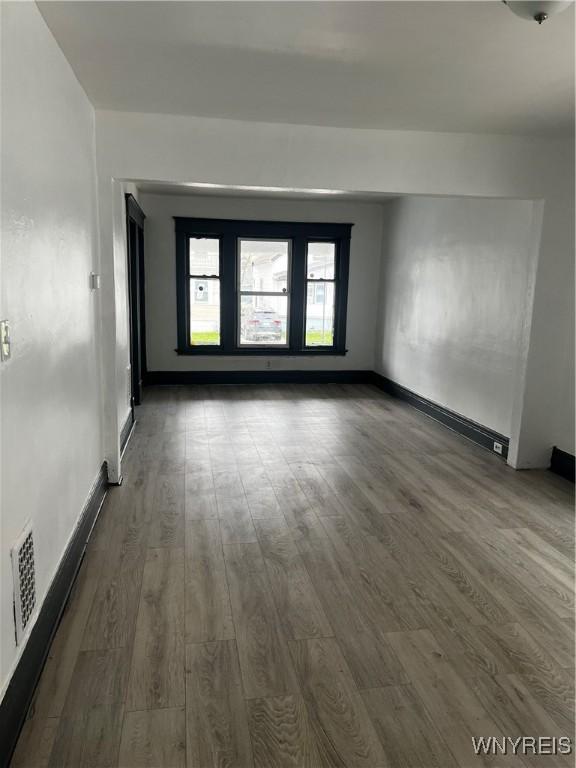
[253, 287]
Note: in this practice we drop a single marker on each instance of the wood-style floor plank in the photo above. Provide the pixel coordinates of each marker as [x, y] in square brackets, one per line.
[406, 729]
[90, 727]
[339, 718]
[236, 524]
[157, 671]
[35, 743]
[515, 709]
[553, 586]
[167, 524]
[216, 718]
[377, 584]
[264, 658]
[53, 687]
[310, 575]
[330, 579]
[552, 685]
[208, 610]
[458, 714]
[154, 738]
[299, 609]
[371, 660]
[112, 618]
[282, 734]
[483, 563]
[113, 615]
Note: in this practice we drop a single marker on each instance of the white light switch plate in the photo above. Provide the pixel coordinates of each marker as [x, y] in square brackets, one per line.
[4, 340]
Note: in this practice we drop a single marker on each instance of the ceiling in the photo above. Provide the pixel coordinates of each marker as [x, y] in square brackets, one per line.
[438, 66]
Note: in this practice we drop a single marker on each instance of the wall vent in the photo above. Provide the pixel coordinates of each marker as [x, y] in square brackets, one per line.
[24, 573]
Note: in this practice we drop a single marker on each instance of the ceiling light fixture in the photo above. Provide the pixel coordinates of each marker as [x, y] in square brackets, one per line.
[254, 188]
[538, 11]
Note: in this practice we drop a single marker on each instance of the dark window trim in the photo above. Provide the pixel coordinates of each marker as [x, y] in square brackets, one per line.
[229, 231]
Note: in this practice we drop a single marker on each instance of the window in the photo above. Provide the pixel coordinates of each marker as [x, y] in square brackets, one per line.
[246, 287]
[320, 281]
[263, 273]
[204, 279]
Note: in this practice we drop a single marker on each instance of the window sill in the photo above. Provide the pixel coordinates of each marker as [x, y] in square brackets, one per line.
[259, 352]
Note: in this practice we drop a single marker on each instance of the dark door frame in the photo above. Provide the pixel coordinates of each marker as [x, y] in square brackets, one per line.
[136, 296]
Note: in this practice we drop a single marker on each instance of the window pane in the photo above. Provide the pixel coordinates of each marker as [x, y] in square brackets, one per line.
[264, 265]
[204, 256]
[263, 320]
[316, 293]
[204, 312]
[320, 315]
[320, 263]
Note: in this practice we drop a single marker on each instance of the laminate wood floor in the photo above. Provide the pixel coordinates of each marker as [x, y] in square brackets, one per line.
[311, 576]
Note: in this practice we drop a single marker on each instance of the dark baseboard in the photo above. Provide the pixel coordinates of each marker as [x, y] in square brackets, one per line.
[257, 377]
[20, 691]
[562, 463]
[466, 427]
[126, 430]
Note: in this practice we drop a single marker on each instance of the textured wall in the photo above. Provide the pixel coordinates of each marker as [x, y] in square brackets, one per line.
[51, 436]
[454, 300]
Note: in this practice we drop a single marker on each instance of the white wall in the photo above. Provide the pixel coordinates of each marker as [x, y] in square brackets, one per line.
[115, 324]
[50, 401]
[547, 415]
[187, 149]
[454, 302]
[161, 277]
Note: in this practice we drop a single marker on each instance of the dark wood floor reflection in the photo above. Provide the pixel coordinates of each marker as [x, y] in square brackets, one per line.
[310, 576]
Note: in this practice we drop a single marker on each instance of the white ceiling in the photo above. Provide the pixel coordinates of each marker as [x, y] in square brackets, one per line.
[439, 66]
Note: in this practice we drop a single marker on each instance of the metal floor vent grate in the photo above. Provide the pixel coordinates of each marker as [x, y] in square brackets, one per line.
[24, 573]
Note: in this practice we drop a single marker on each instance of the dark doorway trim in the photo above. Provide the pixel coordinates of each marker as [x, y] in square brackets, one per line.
[136, 296]
[20, 692]
[134, 211]
[562, 463]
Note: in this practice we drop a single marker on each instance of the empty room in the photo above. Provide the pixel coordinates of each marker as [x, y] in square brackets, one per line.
[287, 384]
